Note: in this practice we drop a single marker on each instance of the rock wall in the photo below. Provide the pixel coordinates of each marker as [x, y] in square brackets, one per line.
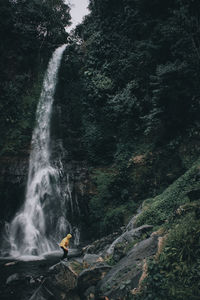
[13, 176]
[74, 185]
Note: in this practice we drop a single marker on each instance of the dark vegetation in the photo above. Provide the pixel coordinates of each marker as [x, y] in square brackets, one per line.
[128, 103]
[29, 31]
[129, 100]
[175, 272]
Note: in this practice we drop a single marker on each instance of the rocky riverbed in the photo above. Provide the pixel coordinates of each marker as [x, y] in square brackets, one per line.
[111, 267]
[20, 279]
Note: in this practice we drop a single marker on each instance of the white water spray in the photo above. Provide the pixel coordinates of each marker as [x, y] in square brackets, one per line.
[42, 220]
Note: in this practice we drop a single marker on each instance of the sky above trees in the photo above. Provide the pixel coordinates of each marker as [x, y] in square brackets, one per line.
[78, 11]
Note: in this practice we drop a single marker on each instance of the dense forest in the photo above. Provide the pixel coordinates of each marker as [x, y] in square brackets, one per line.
[30, 30]
[129, 85]
[129, 99]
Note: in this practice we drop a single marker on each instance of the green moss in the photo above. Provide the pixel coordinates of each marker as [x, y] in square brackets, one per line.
[175, 274]
[77, 266]
[164, 206]
[110, 260]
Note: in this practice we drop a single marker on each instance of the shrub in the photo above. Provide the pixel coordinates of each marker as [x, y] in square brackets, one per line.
[165, 205]
[176, 272]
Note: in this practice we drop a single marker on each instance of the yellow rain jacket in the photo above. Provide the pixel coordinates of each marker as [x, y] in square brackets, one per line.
[65, 242]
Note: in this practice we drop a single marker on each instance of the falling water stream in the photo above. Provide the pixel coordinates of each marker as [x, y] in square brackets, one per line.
[41, 222]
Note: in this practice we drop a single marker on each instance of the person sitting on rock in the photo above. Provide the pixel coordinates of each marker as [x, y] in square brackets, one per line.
[64, 244]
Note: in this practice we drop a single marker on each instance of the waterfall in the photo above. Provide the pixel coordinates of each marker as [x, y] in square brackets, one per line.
[41, 222]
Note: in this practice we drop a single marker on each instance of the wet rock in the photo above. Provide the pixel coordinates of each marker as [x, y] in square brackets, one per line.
[91, 259]
[23, 280]
[126, 273]
[119, 252]
[90, 277]
[32, 281]
[61, 279]
[43, 293]
[128, 237]
[132, 223]
[40, 294]
[12, 263]
[74, 253]
[90, 293]
[100, 246]
[89, 249]
[13, 278]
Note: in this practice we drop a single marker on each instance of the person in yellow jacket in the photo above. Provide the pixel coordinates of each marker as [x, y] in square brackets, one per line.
[64, 244]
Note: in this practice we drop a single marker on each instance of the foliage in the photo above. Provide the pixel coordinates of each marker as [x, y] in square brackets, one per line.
[112, 201]
[176, 272]
[20, 124]
[164, 206]
[29, 31]
[140, 74]
[128, 87]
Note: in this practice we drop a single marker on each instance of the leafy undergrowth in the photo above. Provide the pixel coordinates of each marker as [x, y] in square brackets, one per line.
[162, 209]
[174, 273]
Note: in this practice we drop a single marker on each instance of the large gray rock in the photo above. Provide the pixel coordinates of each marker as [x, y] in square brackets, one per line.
[44, 293]
[62, 277]
[128, 237]
[60, 284]
[90, 277]
[91, 259]
[100, 246]
[126, 273]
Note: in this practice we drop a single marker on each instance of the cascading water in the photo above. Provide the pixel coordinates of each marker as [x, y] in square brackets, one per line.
[41, 222]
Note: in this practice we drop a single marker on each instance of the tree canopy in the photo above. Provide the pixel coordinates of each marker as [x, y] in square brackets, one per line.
[29, 31]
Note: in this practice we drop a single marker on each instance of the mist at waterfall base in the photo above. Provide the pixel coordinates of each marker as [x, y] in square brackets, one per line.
[41, 223]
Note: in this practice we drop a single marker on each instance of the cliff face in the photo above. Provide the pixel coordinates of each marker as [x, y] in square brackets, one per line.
[75, 186]
[74, 182]
[13, 176]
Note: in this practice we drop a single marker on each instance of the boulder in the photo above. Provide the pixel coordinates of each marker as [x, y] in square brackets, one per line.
[90, 293]
[74, 253]
[126, 273]
[60, 283]
[43, 293]
[128, 237]
[62, 277]
[13, 278]
[119, 252]
[91, 259]
[65, 283]
[90, 277]
[101, 245]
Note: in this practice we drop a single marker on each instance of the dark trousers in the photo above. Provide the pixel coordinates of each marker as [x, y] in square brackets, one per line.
[65, 253]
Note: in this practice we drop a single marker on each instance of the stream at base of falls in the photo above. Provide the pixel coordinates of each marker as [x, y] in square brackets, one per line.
[21, 278]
